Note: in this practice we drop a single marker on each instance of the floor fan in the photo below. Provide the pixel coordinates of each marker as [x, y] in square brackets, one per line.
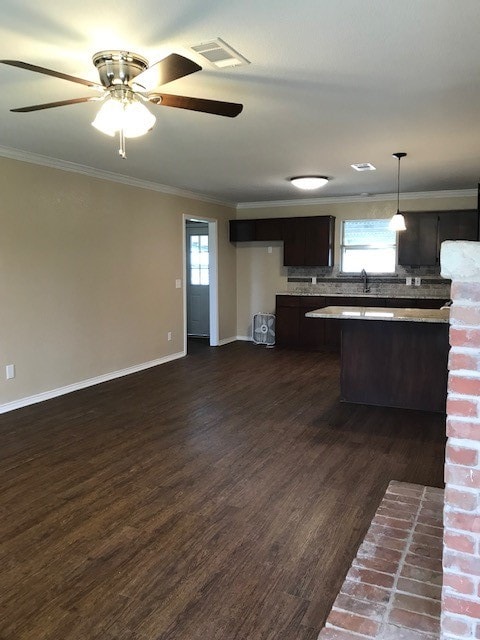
[263, 330]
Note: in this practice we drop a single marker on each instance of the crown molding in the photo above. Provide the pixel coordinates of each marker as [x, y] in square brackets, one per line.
[101, 174]
[459, 193]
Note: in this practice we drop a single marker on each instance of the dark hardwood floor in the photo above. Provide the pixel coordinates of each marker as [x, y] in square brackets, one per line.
[221, 496]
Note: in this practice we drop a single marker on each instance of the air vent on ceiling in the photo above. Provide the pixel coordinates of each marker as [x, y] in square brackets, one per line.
[363, 166]
[220, 53]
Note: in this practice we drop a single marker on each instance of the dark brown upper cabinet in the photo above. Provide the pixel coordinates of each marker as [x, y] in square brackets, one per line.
[308, 241]
[266, 229]
[242, 230]
[417, 246]
[319, 241]
[420, 244]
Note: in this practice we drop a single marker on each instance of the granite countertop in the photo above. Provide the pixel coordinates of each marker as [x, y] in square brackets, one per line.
[382, 313]
[423, 296]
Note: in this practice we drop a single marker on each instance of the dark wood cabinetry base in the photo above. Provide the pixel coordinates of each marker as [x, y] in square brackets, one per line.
[294, 331]
[395, 364]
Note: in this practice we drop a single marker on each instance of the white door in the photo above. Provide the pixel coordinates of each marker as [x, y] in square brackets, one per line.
[198, 279]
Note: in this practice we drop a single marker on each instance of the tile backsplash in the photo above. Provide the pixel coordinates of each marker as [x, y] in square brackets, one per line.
[324, 280]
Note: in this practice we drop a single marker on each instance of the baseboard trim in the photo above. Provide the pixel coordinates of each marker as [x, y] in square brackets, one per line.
[226, 341]
[83, 384]
[245, 338]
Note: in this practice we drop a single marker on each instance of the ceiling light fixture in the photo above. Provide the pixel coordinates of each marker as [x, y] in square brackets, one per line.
[123, 113]
[309, 183]
[127, 81]
[397, 222]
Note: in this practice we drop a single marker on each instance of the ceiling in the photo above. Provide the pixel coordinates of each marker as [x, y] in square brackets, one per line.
[331, 83]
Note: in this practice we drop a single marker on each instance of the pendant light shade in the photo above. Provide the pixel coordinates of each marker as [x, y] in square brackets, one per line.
[397, 222]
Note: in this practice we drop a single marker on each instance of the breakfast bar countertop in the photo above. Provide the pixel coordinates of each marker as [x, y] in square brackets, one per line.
[382, 313]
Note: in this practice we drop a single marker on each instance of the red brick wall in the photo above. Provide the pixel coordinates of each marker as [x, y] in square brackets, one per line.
[461, 556]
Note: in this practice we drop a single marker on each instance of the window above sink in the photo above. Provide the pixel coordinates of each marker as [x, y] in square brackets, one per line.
[369, 245]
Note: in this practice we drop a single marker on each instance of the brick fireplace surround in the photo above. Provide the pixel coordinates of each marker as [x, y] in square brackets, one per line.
[393, 589]
[460, 261]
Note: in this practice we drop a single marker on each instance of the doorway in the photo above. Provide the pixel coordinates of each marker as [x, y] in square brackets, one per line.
[200, 277]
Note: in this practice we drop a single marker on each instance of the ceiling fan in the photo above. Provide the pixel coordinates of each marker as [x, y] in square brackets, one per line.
[127, 82]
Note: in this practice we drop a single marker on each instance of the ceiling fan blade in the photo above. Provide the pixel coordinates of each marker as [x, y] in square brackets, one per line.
[170, 68]
[50, 72]
[216, 107]
[50, 105]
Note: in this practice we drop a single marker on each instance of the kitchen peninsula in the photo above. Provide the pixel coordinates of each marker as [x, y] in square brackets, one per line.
[394, 357]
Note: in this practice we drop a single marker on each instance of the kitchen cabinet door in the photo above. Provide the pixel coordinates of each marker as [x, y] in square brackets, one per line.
[287, 325]
[308, 242]
[457, 225]
[311, 330]
[294, 242]
[268, 229]
[242, 230]
[319, 234]
[417, 246]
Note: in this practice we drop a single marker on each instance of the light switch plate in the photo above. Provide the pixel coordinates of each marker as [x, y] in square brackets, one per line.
[408, 281]
[178, 284]
[270, 249]
[10, 371]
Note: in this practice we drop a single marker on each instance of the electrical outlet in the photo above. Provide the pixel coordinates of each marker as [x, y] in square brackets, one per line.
[418, 282]
[408, 281]
[169, 335]
[10, 371]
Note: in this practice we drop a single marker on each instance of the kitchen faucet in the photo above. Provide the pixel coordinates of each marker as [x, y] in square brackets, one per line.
[366, 288]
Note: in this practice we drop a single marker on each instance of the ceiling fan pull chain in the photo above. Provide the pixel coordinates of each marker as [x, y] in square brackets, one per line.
[122, 151]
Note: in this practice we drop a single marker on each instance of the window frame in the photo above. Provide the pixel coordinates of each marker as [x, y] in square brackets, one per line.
[343, 246]
[197, 267]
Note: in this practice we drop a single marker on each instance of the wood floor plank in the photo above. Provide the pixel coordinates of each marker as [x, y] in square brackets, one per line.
[219, 496]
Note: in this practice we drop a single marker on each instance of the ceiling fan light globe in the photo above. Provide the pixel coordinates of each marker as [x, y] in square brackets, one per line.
[109, 118]
[397, 223]
[137, 120]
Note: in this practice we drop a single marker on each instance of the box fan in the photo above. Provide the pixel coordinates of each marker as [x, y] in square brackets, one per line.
[263, 330]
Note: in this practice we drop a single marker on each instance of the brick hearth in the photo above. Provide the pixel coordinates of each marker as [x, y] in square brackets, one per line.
[393, 589]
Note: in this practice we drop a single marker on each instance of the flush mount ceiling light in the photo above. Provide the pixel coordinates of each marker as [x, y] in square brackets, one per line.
[397, 222]
[308, 183]
[127, 83]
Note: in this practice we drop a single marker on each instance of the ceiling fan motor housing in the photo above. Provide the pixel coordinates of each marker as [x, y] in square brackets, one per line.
[118, 67]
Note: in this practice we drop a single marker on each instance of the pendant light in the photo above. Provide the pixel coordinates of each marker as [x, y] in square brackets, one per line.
[397, 222]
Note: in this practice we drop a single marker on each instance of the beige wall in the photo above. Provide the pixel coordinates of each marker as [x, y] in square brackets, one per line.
[260, 274]
[87, 276]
